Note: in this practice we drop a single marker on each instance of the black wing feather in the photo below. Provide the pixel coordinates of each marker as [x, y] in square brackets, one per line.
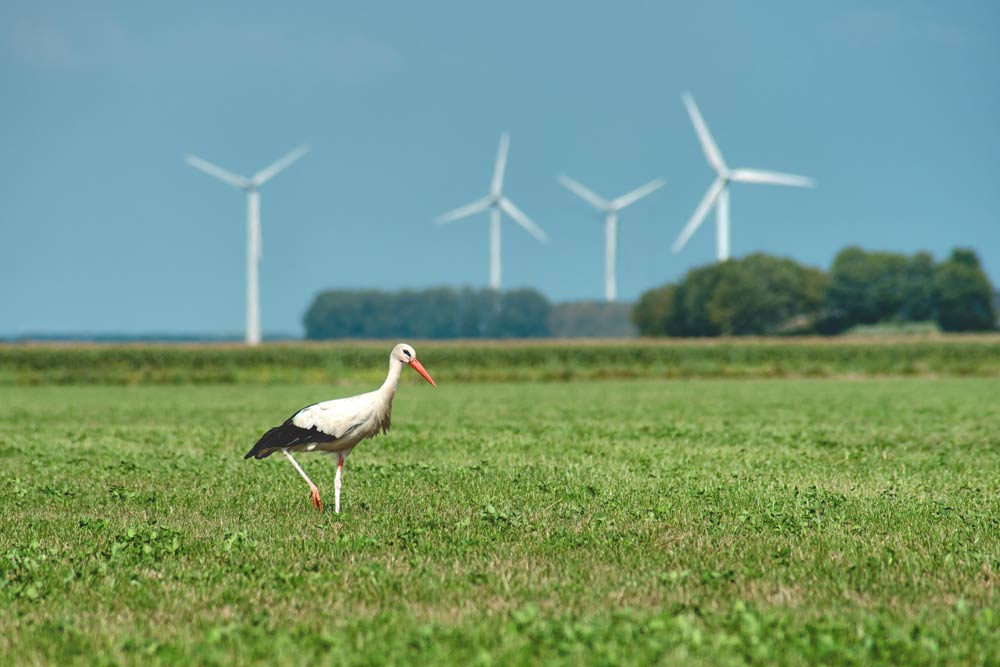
[285, 436]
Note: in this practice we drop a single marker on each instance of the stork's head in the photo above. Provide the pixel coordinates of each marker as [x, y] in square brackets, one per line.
[405, 354]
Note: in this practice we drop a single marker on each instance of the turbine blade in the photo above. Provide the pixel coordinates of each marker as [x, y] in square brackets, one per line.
[582, 192]
[501, 164]
[771, 178]
[465, 211]
[218, 172]
[267, 173]
[523, 220]
[699, 213]
[712, 152]
[638, 193]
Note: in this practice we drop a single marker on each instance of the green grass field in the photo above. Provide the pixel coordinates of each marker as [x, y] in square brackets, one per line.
[795, 521]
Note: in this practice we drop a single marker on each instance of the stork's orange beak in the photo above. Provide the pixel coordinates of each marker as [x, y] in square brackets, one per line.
[419, 367]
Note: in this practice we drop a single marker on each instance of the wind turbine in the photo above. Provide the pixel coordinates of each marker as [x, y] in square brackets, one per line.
[718, 192]
[610, 210]
[496, 202]
[254, 245]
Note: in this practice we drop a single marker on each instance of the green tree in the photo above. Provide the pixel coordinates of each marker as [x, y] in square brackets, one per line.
[653, 310]
[755, 295]
[865, 287]
[965, 296]
[690, 316]
[919, 298]
[761, 294]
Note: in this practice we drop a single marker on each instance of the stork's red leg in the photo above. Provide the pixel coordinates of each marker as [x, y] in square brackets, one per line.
[336, 482]
[313, 491]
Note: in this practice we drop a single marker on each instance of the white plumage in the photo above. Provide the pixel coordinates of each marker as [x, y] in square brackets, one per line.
[348, 420]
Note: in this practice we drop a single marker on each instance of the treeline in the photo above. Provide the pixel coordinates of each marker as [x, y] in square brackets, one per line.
[431, 313]
[765, 295]
[756, 295]
[444, 312]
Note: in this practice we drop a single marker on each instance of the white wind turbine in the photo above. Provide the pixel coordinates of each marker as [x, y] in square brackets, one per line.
[496, 202]
[254, 245]
[718, 192]
[610, 210]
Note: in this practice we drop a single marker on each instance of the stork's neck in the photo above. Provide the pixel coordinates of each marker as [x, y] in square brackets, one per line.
[388, 388]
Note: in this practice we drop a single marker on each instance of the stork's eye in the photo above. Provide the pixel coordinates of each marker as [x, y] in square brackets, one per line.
[407, 353]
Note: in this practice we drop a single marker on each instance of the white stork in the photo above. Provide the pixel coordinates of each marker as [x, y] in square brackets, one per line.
[337, 426]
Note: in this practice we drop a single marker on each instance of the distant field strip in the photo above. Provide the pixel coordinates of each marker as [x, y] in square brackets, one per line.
[485, 361]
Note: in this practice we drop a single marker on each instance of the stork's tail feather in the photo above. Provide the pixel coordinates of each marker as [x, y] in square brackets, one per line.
[259, 453]
[266, 445]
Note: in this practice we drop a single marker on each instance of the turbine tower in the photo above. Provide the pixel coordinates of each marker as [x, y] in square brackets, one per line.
[254, 245]
[496, 202]
[718, 192]
[610, 210]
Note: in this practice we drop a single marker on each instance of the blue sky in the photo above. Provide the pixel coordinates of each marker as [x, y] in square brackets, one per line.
[893, 106]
